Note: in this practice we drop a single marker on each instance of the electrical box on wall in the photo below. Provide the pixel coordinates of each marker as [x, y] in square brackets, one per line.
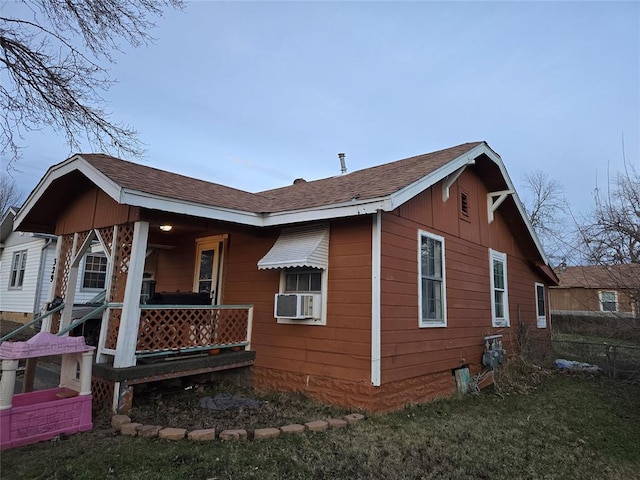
[494, 355]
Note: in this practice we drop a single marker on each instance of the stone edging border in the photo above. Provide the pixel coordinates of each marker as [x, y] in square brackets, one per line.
[124, 425]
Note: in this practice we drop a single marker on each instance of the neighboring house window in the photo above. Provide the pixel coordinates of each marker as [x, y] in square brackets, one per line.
[432, 292]
[609, 301]
[499, 290]
[18, 266]
[541, 306]
[95, 272]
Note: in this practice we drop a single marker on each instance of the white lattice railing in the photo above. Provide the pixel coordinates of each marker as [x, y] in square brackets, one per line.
[176, 328]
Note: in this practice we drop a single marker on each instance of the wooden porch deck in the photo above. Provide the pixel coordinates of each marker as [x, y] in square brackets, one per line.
[153, 370]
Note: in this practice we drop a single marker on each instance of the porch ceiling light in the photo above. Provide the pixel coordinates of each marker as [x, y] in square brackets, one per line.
[166, 228]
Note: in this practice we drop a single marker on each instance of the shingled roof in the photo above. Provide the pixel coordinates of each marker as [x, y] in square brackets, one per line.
[142, 178]
[363, 192]
[366, 184]
[600, 276]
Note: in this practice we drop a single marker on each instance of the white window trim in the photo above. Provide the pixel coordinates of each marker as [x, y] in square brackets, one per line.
[615, 294]
[541, 319]
[502, 257]
[440, 323]
[323, 295]
[19, 255]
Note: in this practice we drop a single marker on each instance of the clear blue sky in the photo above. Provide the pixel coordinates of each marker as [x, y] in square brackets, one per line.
[253, 95]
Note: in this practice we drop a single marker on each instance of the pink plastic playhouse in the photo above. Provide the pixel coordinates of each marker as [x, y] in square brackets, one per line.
[41, 415]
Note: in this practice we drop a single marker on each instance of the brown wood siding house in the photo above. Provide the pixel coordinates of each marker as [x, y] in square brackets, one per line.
[409, 266]
[597, 290]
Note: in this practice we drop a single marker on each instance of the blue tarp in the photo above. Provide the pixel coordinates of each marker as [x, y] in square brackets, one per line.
[563, 364]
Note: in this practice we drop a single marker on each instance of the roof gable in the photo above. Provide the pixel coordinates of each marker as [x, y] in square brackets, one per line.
[6, 223]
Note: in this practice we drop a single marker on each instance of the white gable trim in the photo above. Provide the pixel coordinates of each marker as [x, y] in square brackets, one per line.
[60, 170]
[498, 161]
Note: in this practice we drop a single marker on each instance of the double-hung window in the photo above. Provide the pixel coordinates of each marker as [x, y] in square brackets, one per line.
[302, 280]
[18, 266]
[608, 301]
[432, 298]
[499, 290]
[301, 285]
[541, 306]
[95, 272]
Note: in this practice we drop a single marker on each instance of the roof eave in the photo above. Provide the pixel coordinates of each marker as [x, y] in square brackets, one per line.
[385, 203]
[156, 202]
[407, 193]
[326, 212]
[498, 161]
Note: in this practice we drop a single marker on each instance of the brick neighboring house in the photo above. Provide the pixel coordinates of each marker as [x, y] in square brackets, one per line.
[367, 289]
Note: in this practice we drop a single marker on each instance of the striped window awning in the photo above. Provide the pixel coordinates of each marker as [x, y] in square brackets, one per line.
[299, 247]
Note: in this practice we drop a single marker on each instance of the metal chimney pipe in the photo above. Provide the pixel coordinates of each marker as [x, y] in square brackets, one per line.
[343, 165]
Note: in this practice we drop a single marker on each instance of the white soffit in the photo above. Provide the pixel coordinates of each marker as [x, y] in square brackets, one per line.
[299, 247]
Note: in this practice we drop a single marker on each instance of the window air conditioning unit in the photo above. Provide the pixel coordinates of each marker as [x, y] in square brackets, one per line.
[297, 306]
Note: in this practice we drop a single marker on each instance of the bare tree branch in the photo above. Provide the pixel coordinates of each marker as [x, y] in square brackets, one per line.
[612, 234]
[10, 195]
[53, 75]
[547, 210]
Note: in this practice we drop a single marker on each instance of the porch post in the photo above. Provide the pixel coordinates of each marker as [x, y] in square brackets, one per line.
[46, 323]
[72, 283]
[128, 331]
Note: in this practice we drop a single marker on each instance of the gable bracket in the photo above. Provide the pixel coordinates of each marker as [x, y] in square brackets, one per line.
[451, 178]
[494, 200]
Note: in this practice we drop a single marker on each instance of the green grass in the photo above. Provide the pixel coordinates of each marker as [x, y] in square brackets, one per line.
[567, 427]
[574, 337]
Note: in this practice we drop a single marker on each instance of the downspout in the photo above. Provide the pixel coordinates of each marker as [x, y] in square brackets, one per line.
[376, 248]
[38, 299]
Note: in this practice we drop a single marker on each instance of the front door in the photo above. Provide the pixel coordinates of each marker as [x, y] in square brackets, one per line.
[208, 268]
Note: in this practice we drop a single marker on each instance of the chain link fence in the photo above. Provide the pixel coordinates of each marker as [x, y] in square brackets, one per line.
[616, 359]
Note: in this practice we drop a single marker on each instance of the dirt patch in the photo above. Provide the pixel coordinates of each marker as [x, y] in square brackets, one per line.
[178, 404]
[7, 326]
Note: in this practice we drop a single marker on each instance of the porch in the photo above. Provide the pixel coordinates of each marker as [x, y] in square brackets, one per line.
[144, 342]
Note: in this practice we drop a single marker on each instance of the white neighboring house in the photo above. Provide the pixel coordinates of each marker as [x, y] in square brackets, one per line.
[27, 261]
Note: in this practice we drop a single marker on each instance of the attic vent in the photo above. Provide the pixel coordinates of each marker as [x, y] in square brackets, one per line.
[464, 204]
[298, 181]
